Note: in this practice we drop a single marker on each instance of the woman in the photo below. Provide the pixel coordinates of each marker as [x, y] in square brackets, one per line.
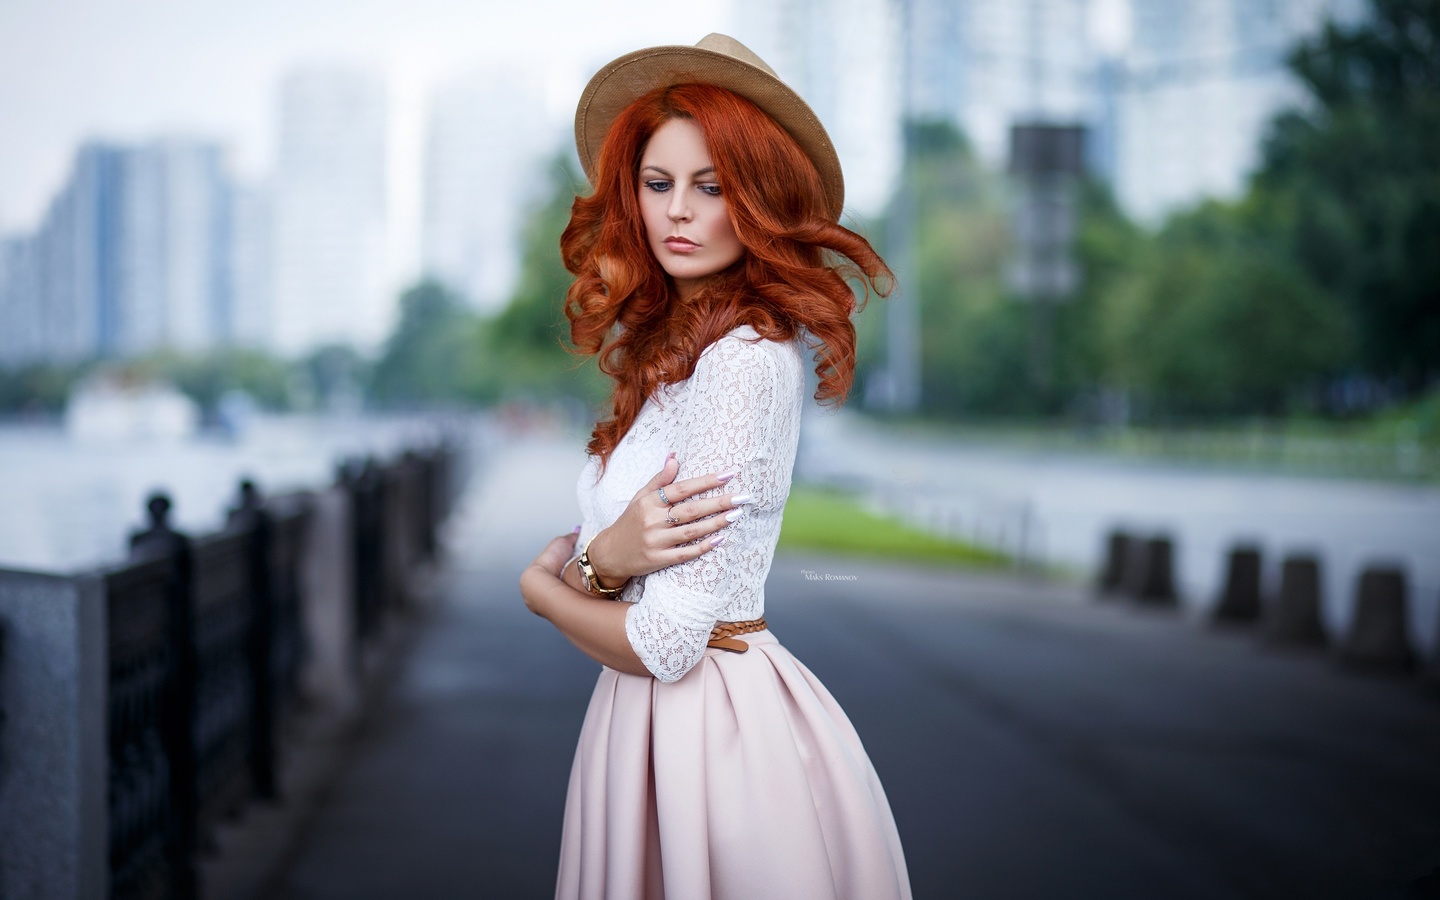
[711, 762]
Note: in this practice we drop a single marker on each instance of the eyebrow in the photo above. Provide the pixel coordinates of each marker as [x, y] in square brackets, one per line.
[708, 170]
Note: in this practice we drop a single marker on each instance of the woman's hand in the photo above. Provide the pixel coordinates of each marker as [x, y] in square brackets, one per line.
[651, 534]
[551, 562]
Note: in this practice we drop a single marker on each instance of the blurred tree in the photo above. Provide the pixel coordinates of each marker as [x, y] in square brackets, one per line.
[1352, 180]
[329, 377]
[206, 377]
[428, 356]
[970, 348]
[38, 388]
[522, 352]
[975, 337]
[1214, 320]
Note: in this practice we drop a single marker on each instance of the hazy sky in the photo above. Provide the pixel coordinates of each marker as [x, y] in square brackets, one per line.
[74, 69]
[138, 69]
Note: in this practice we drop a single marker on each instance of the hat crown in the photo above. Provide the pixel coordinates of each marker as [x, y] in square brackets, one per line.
[716, 42]
[718, 60]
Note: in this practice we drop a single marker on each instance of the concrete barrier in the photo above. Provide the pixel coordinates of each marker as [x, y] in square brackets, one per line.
[1294, 618]
[54, 820]
[1240, 598]
[1112, 573]
[1150, 572]
[1379, 635]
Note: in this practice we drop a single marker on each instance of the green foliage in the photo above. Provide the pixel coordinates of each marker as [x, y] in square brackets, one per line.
[207, 377]
[328, 377]
[1213, 321]
[522, 352]
[37, 389]
[1329, 267]
[976, 338]
[428, 357]
[1418, 420]
[1353, 184]
[834, 523]
[204, 377]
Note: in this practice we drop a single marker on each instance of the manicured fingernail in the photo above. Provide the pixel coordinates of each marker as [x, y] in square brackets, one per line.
[668, 454]
[740, 499]
[734, 514]
[717, 540]
[576, 531]
[725, 476]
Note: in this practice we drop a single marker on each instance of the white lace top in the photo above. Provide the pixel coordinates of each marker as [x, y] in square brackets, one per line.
[740, 410]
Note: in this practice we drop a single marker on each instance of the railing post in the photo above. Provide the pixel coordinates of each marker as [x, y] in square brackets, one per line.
[161, 542]
[429, 466]
[250, 515]
[2, 697]
[390, 522]
[1431, 673]
[362, 482]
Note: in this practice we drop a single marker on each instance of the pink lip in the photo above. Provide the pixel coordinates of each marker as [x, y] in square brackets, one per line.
[681, 245]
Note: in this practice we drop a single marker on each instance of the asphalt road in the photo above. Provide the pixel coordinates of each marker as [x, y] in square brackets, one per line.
[1034, 743]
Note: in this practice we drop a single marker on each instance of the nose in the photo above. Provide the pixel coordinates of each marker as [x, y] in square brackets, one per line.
[679, 208]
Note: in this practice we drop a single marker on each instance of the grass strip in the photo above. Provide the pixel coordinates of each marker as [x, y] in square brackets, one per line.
[832, 522]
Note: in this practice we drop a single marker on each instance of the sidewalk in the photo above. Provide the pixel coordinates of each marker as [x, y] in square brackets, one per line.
[1033, 743]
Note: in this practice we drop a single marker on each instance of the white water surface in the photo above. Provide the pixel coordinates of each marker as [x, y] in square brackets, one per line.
[67, 505]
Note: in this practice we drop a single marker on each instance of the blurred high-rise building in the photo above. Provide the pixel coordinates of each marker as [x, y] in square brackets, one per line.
[987, 64]
[20, 307]
[485, 143]
[75, 307]
[1176, 112]
[251, 293]
[1200, 82]
[132, 256]
[979, 64]
[172, 233]
[842, 57]
[329, 225]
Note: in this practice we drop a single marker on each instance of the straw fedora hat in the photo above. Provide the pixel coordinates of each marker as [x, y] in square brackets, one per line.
[719, 60]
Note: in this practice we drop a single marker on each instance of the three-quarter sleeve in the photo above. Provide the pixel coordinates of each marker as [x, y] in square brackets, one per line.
[742, 413]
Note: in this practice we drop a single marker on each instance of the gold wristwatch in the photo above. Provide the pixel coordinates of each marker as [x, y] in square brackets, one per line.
[587, 571]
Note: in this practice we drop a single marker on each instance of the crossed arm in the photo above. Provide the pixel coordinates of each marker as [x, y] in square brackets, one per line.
[641, 541]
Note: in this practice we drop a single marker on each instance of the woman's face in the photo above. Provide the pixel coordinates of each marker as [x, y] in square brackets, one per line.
[687, 220]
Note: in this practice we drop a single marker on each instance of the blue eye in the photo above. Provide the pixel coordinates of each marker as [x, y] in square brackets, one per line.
[711, 189]
[658, 186]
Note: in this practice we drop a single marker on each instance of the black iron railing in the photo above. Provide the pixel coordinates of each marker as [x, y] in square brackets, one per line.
[149, 769]
[206, 643]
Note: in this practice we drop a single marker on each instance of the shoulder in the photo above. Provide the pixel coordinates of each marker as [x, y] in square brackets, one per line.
[743, 350]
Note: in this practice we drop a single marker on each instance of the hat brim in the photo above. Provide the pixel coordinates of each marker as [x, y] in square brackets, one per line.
[636, 74]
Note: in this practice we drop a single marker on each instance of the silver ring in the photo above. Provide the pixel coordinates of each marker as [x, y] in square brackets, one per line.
[670, 517]
[664, 499]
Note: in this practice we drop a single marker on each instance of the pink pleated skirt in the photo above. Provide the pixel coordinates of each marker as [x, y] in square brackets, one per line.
[744, 779]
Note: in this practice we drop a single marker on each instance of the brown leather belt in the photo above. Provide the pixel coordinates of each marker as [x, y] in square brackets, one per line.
[723, 635]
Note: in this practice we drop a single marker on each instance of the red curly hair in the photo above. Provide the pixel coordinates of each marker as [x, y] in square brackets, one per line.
[792, 278]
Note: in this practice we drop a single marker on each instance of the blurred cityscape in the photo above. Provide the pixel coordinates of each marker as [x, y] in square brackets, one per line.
[157, 244]
[279, 433]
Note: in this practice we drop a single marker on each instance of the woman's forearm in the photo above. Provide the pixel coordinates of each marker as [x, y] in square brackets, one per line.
[571, 576]
[595, 625]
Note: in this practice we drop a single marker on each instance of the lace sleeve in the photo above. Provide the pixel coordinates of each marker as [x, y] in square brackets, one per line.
[742, 412]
